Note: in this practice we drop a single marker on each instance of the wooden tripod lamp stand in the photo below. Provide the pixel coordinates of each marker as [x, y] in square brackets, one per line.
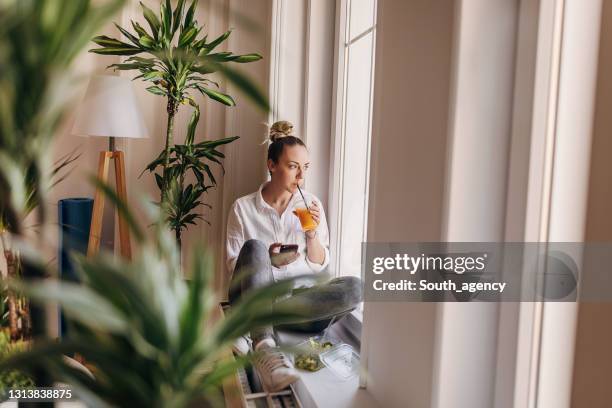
[109, 110]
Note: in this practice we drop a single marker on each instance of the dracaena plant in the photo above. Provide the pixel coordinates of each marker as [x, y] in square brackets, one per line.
[184, 197]
[177, 59]
[151, 338]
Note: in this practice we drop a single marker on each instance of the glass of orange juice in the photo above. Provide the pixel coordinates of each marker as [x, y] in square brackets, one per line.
[302, 212]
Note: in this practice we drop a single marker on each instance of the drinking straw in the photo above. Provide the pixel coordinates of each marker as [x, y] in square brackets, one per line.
[303, 198]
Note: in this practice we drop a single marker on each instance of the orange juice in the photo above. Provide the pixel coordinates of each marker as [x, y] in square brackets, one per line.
[308, 223]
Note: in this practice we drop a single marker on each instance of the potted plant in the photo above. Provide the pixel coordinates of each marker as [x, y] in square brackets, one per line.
[177, 59]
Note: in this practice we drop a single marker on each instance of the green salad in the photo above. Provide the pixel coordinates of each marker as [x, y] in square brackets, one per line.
[307, 358]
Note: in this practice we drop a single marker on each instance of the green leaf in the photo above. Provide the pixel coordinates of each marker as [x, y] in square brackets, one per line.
[187, 36]
[200, 46]
[228, 57]
[217, 96]
[126, 67]
[151, 18]
[131, 37]
[210, 174]
[166, 19]
[198, 175]
[187, 193]
[157, 162]
[208, 144]
[159, 181]
[210, 157]
[77, 301]
[190, 218]
[105, 41]
[153, 74]
[194, 310]
[247, 58]
[140, 29]
[145, 61]
[224, 369]
[42, 351]
[116, 51]
[147, 42]
[178, 14]
[218, 154]
[235, 323]
[211, 46]
[191, 128]
[157, 90]
[189, 15]
[220, 56]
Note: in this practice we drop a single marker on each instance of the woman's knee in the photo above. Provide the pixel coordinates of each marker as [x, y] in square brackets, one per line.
[254, 245]
[253, 250]
[355, 286]
[253, 266]
[351, 286]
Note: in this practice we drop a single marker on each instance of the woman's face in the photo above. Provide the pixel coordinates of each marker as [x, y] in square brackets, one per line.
[291, 168]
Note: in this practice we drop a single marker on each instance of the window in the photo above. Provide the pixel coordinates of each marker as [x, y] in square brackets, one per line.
[352, 133]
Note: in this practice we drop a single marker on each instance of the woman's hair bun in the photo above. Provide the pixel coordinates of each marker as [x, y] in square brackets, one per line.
[280, 129]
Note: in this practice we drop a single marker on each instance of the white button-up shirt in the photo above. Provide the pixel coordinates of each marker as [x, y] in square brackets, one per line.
[252, 218]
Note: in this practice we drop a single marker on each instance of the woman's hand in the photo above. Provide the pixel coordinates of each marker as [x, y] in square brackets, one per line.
[315, 211]
[279, 259]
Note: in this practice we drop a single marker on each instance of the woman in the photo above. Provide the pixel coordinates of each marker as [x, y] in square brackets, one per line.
[258, 225]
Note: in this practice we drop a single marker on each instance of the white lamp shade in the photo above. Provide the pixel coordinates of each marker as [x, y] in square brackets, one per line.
[109, 109]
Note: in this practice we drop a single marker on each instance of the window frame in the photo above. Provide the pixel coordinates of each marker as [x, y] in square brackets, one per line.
[342, 51]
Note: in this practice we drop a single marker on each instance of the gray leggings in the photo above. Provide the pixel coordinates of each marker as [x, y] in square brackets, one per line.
[325, 302]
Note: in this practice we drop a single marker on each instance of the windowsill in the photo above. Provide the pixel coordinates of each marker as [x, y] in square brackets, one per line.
[322, 388]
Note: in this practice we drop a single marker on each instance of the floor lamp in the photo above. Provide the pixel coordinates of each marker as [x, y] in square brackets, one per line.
[109, 109]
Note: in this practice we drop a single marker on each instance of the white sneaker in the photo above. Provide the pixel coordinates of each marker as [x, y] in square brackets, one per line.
[275, 370]
[242, 345]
